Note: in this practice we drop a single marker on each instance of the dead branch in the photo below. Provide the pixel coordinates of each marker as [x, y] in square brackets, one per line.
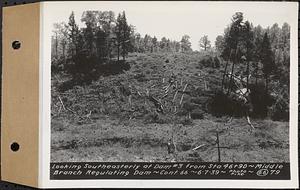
[205, 85]
[249, 122]
[59, 109]
[197, 147]
[56, 77]
[89, 115]
[183, 93]
[156, 103]
[166, 87]
[175, 96]
[61, 103]
[71, 111]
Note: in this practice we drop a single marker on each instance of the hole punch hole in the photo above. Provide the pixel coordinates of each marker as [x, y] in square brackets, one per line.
[14, 147]
[16, 45]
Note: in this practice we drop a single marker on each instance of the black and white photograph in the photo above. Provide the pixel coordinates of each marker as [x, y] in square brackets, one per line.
[170, 82]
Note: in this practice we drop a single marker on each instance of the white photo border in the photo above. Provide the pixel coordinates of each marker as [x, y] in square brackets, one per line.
[48, 8]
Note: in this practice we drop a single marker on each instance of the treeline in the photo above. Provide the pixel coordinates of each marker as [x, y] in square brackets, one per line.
[103, 38]
[266, 50]
[80, 51]
[262, 57]
[148, 44]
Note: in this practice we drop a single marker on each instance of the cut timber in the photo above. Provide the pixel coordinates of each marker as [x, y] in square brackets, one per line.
[183, 93]
[249, 122]
[197, 147]
[175, 96]
[62, 103]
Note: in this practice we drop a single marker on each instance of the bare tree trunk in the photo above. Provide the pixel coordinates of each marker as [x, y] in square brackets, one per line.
[56, 45]
[267, 85]
[224, 74]
[64, 54]
[232, 70]
[231, 78]
[256, 73]
[248, 71]
[118, 51]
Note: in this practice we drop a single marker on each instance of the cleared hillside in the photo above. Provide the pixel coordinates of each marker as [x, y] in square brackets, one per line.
[114, 118]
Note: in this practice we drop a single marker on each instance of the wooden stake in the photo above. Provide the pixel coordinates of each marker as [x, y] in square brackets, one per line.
[218, 146]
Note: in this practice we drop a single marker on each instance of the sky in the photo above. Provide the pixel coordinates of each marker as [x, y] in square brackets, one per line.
[173, 19]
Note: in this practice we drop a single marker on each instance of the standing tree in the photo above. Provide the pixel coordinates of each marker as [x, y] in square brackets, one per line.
[74, 36]
[60, 40]
[89, 18]
[248, 39]
[118, 32]
[204, 43]
[219, 44]
[154, 44]
[101, 46]
[234, 37]
[185, 43]
[225, 52]
[267, 60]
[122, 35]
[56, 33]
[125, 36]
[163, 43]
[106, 20]
[258, 38]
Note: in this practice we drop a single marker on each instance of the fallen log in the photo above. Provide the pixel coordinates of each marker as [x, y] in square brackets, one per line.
[197, 147]
[183, 93]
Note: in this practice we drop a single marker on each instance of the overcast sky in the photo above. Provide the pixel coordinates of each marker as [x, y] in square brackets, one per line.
[174, 19]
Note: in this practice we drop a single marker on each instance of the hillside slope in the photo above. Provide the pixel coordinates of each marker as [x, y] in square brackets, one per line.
[116, 119]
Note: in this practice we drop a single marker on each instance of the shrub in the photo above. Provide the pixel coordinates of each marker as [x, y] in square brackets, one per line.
[280, 110]
[197, 114]
[155, 118]
[210, 61]
[186, 121]
[260, 100]
[223, 104]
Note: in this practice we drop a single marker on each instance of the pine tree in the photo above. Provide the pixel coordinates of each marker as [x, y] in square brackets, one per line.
[154, 44]
[248, 38]
[74, 35]
[185, 43]
[204, 43]
[89, 18]
[232, 42]
[122, 36]
[258, 38]
[125, 36]
[267, 60]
